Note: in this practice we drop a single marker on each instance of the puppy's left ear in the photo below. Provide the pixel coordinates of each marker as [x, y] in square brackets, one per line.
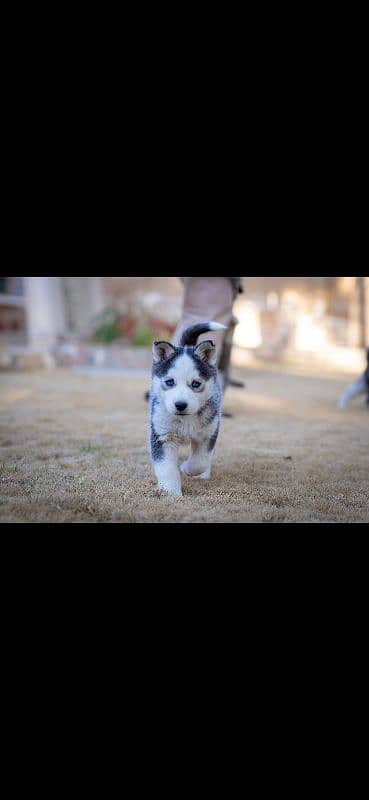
[207, 352]
[162, 351]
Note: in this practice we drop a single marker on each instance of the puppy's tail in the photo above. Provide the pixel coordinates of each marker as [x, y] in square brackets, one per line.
[190, 335]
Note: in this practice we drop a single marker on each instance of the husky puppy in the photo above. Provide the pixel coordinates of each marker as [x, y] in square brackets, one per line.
[359, 387]
[185, 407]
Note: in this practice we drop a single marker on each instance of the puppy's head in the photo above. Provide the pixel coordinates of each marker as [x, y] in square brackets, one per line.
[184, 377]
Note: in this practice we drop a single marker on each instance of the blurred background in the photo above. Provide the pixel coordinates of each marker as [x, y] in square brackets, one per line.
[110, 322]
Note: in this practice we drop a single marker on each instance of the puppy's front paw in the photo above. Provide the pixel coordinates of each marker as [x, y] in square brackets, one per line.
[189, 470]
[205, 476]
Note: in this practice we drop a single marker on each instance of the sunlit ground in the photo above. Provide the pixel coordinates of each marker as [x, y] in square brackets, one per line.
[73, 449]
[336, 362]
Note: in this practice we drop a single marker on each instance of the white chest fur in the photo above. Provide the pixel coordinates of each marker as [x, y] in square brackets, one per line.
[178, 430]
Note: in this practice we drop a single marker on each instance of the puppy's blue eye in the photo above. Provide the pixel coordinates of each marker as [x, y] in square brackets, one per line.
[169, 382]
[195, 384]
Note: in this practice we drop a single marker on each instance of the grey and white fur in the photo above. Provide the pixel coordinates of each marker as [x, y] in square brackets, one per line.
[185, 407]
[361, 386]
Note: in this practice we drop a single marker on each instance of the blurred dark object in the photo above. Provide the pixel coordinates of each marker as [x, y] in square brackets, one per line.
[224, 365]
[12, 286]
[237, 285]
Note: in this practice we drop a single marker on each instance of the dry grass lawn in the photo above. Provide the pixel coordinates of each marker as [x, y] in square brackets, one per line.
[73, 449]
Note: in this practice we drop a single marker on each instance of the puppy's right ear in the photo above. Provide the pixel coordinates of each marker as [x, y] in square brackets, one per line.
[367, 354]
[162, 351]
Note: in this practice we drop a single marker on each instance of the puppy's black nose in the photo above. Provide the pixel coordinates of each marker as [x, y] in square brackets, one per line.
[181, 407]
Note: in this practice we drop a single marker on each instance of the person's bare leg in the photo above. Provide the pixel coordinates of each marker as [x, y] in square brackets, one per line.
[206, 299]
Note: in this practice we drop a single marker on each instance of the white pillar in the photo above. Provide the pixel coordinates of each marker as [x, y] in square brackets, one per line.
[45, 311]
[85, 299]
